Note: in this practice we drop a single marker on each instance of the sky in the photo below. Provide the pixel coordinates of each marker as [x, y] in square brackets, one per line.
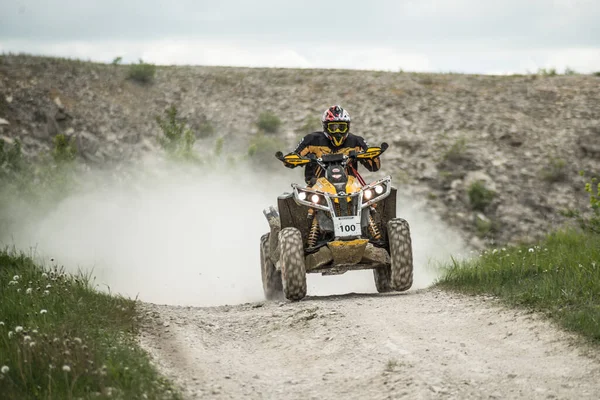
[467, 36]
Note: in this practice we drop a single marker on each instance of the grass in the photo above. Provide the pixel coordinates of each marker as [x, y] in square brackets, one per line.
[560, 276]
[61, 339]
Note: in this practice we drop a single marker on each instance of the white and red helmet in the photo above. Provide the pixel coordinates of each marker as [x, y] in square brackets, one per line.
[336, 124]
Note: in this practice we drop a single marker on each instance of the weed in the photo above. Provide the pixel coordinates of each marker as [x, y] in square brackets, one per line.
[117, 60]
[570, 71]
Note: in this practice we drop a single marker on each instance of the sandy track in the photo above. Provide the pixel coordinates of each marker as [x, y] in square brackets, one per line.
[420, 345]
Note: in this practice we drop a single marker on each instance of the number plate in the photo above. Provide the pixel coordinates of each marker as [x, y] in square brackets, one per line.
[346, 226]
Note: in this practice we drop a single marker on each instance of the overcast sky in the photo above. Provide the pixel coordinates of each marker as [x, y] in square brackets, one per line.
[473, 36]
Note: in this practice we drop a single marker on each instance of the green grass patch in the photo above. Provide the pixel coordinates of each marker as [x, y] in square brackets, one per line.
[61, 339]
[560, 276]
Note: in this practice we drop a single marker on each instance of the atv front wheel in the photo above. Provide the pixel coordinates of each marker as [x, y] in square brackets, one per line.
[291, 260]
[271, 278]
[401, 270]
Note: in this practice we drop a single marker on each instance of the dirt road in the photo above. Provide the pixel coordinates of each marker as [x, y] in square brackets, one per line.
[419, 345]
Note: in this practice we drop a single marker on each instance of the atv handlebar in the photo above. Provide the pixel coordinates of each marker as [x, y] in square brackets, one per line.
[294, 159]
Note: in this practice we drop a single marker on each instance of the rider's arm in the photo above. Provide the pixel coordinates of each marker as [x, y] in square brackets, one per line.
[373, 164]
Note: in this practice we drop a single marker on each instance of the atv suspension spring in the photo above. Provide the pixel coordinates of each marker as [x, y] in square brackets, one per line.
[374, 229]
[313, 235]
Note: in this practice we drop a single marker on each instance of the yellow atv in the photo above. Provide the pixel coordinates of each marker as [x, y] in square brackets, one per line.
[336, 225]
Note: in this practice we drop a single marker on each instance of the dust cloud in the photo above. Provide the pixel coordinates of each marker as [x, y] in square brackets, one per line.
[180, 236]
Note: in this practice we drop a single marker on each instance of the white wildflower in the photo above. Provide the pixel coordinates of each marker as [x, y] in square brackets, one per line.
[494, 251]
[43, 311]
[16, 278]
[48, 286]
[46, 292]
[44, 275]
[1, 323]
[29, 290]
[504, 249]
[78, 340]
[26, 338]
[34, 331]
[31, 344]
[531, 250]
[19, 329]
[10, 334]
[4, 369]
[19, 290]
[12, 283]
[66, 368]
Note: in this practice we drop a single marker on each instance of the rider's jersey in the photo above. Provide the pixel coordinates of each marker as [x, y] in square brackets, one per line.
[318, 144]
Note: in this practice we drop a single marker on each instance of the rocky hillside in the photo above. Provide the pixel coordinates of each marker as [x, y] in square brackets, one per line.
[497, 156]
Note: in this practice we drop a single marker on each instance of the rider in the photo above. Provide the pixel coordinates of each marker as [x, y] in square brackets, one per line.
[334, 139]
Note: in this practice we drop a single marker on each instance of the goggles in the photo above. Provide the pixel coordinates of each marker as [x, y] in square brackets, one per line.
[337, 127]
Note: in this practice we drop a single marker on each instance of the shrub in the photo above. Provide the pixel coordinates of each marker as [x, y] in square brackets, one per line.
[117, 60]
[589, 223]
[479, 196]
[547, 72]
[556, 170]
[597, 73]
[457, 151]
[269, 122]
[570, 71]
[177, 140]
[64, 150]
[142, 72]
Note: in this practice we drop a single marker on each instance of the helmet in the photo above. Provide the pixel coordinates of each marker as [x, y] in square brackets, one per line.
[336, 124]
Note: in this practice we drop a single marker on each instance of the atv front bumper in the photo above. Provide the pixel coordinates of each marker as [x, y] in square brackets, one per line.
[341, 256]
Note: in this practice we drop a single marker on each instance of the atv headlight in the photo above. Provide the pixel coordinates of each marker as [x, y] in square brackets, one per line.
[379, 189]
[315, 198]
[368, 194]
[302, 195]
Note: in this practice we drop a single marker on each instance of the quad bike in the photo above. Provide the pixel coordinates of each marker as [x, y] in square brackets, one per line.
[336, 225]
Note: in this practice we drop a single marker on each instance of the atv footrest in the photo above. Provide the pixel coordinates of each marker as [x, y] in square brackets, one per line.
[341, 268]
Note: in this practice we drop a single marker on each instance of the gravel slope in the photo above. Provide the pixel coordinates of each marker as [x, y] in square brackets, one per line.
[420, 345]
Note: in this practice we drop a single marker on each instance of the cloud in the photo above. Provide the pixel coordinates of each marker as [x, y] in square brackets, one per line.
[253, 54]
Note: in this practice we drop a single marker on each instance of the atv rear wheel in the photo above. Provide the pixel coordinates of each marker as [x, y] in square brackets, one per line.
[291, 260]
[271, 278]
[401, 269]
